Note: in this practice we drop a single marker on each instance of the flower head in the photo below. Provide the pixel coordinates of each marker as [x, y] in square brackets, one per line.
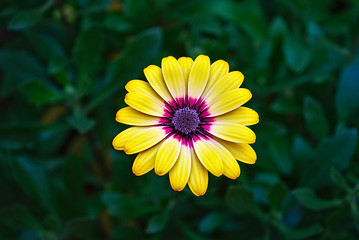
[188, 119]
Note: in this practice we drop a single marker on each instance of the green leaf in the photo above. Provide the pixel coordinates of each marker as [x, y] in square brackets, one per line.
[124, 206]
[347, 97]
[317, 38]
[280, 152]
[93, 6]
[117, 22]
[39, 92]
[79, 228]
[158, 222]
[19, 67]
[18, 217]
[80, 121]
[334, 151]
[63, 78]
[211, 222]
[354, 211]
[339, 149]
[46, 45]
[278, 28]
[308, 199]
[277, 194]
[74, 179]
[49, 48]
[246, 14]
[239, 199]
[33, 180]
[141, 51]
[315, 118]
[138, 54]
[301, 149]
[88, 51]
[297, 55]
[286, 105]
[339, 179]
[187, 231]
[27, 18]
[302, 233]
[270, 129]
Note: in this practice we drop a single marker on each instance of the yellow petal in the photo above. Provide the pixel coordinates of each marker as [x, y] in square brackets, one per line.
[173, 77]
[138, 86]
[230, 101]
[145, 161]
[207, 154]
[167, 155]
[121, 138]
[186, 65]
[229, 82]
[233, 132]
[144, 139]
[155, 78]
[145, 103]
[143, 87]
[241, 115]
[241, 151]
[198, 179]
[230, 165]
[130, 116]
[198, 76]
[218, 69]
[179, 173]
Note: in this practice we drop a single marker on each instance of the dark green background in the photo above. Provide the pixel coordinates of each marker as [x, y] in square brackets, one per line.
[63, 67]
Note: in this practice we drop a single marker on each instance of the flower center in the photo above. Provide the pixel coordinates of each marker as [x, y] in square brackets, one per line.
[185, 120]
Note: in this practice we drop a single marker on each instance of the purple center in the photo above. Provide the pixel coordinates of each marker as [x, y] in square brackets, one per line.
[185, 120]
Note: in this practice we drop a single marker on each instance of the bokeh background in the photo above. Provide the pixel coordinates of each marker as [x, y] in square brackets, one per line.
[63, 67]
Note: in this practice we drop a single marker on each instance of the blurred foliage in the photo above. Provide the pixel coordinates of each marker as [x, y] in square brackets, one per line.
[63, 67]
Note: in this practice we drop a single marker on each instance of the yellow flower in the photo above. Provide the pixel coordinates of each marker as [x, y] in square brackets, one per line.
[188, 119]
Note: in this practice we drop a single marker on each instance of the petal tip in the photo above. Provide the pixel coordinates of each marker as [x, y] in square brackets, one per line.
[249, 93]
[127, 151]
[217, 173]
[177, 188]
[159, 172]
[149, 67]
[128, 86]
[203, 56]
[254, 157]
[117, 148]
[199, 193]
[136, 172]
[234, 176]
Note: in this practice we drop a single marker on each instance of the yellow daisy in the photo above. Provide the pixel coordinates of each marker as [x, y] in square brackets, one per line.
[188, 119]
